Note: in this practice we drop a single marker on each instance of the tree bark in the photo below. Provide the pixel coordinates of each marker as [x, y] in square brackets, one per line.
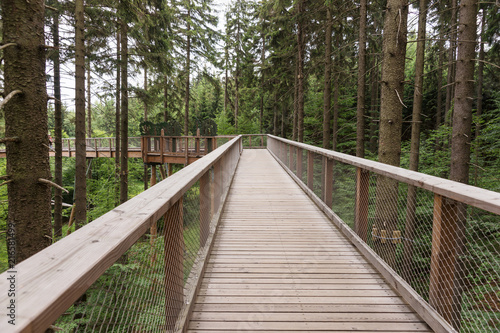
[415, 140]
[295, 101]
[29, 214]
[81, 154]
[479, 102]
[124, 114]
[327, 94]
[262, 82]
[460, 147]
[89, 103]
[300, 81]
[451, 62]
[374, 106]
[439, 71]
[188, 71]
[360, 109]
[394, 52]
[58, 121]
[117, 113]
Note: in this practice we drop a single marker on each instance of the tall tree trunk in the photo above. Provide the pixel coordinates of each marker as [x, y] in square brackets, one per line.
[89, 103]
[262, 82]
[394, 52]
[81, 153]
[374, 106]
[188, 71]
[327, 94]
[117, 114]
[360, 109]
[275, 114]
[146, 91]
[283, 119]
[124, 114]
[237, 79]
[451, 61]
[29, 214]
[415, 139]
[479, 102]
[439, 71]
[336, 92]
[58, 121]
[295, 101]
[226, 78]
[165, 100]
[300, 59]
[461, 137]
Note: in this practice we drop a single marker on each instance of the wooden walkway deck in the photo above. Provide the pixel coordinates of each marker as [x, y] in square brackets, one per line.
[278, 264]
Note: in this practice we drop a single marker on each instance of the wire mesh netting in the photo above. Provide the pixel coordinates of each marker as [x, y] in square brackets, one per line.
[447, 251]
[149, 288]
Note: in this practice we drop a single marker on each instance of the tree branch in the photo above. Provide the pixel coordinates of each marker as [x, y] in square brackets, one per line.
[13, 139]
[8, 98]
[7, 45]
[45, 181]
[7, 182]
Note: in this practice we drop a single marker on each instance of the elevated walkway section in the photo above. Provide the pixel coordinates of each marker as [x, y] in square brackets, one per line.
[279, 264]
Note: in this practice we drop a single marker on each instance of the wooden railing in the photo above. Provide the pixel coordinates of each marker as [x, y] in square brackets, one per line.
[328, 175]
[48, 283]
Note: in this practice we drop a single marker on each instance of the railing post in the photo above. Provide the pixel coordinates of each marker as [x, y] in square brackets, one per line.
[361, 208]
[153, 229]
[205, 207]
[310, 170]
[262, 140]
[111, 148]
[445, 227]
[162, 145]
[299, 163]
[186, 150]
[250, 141]
[328, 184]
[173, 259]
[290, 157]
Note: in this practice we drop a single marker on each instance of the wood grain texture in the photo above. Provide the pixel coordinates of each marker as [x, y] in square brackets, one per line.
[278, 264]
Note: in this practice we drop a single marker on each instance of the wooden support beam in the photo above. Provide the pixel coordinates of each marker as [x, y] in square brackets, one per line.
[328, 184]
[310, 170]
[205, 208]
[300, 166]
[153, 230]
[217, 186]
[445, 225]
[290, 157]
[186, 150]
[174, 258]
[361, 208]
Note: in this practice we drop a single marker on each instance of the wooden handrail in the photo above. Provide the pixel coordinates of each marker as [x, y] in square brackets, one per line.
[470, 195]
[49, 282]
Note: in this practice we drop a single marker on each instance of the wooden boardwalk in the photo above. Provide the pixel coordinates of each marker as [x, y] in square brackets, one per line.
[278, 264]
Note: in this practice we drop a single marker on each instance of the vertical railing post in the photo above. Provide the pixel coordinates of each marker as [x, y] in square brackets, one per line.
[290, 157]
[361, 203]
[162, 145]
[299, 163]
[262, 140]
[442, 291]
[328, 184]
[310, 170]
[153, 229]
[111, 148]
[205, 208]
[174, 264]
[250, 141]
[186, 150]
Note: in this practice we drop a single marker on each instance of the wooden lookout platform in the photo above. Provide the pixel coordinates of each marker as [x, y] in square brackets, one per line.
[278, 264]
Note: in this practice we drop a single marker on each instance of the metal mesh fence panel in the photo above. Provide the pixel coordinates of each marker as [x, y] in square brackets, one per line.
[447, 251]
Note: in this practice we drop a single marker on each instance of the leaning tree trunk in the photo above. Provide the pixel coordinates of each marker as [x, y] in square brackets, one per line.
[360, 109]
[81, 154]
[124, 115]
[58, 121]
[327, 94]
[394, 51]
[418, 94]
[29, 217]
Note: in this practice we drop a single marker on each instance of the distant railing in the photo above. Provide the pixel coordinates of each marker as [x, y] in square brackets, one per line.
[436, 241]
[134, 269]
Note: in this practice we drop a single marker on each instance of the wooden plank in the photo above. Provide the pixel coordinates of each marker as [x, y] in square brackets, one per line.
[303, 308]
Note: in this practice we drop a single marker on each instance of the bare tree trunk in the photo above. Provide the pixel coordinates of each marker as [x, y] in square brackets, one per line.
[300, 58]
[479, 102]
[262, 82]
[81, 154]
[188, 73]
[295, 101]
[124, 114]
[394, 52]
[165, 101]
[374, 106]
[360, 109]
[89, 103]
[439, 103]
[461, 138]
[58, 120]
[415, 140]
[327, 94]
[283, 119]
[117, 114]
[29, 214]
[451, 61]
